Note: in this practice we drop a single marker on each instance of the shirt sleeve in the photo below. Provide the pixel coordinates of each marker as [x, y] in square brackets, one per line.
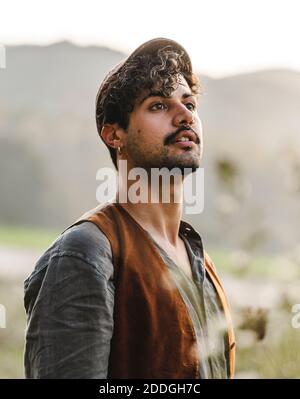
[69, 303]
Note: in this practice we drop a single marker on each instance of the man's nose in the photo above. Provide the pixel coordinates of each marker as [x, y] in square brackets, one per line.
[183, 116]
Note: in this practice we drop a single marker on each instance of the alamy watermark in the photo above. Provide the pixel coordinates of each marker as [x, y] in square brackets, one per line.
[161, 185]
[2, 57]
[2, 316]
[296, 317]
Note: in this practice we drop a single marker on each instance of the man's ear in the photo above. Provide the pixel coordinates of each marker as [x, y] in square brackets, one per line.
[112, 134]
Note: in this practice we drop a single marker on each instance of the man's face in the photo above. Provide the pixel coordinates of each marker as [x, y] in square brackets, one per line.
[156, 125]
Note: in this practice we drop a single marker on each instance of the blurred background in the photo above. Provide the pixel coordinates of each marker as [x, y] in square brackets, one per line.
[56, 54]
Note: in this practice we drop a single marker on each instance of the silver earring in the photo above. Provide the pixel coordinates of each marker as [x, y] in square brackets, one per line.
[119, 150]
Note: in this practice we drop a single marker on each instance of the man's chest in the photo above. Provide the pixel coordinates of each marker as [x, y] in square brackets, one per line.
[180, 257]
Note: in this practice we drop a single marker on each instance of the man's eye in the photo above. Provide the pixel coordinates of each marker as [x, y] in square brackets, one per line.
[157, 106]
[190, 106]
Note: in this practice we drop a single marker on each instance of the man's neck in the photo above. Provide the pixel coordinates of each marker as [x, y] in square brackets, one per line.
[161, 219]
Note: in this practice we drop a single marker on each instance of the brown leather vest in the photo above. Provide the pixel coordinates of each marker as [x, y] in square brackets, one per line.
[153, 334]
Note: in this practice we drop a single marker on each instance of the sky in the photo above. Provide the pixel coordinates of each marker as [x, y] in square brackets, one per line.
[223, 37]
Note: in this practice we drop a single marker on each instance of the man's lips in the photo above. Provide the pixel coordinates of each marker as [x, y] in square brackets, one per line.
[185, 133]
[184, 144]
[186, 137]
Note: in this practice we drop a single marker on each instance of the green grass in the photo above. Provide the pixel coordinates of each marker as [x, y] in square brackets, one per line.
[272, 358]
[258, 265]
[26, 237]
[12, 337]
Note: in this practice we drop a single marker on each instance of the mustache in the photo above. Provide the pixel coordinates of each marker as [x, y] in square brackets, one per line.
[171, 137]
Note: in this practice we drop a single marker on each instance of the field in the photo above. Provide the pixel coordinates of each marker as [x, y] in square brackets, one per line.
[261, 291]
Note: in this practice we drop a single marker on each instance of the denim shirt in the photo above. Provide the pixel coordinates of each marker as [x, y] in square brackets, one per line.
[69, 301]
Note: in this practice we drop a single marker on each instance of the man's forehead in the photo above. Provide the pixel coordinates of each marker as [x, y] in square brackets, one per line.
[183, 89]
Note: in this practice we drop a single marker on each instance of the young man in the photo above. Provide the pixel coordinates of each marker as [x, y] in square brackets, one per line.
[127, 291]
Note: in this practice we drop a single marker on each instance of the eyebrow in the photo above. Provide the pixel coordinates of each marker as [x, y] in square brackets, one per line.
[159, 94]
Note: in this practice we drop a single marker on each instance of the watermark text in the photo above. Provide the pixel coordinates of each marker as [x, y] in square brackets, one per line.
[2, 57]
[2, 316]
[296, 317]
[160, 185]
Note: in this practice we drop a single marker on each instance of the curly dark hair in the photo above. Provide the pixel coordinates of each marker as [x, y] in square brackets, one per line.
[138, 75]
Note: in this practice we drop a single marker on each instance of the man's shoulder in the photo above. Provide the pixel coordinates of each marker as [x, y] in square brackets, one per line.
[84, 238]
[83, 241]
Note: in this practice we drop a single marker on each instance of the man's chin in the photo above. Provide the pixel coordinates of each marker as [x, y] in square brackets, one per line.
[188, 169]
[181, 169]
[186, 166]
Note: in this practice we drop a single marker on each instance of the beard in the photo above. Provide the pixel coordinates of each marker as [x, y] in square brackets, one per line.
[155, 156]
